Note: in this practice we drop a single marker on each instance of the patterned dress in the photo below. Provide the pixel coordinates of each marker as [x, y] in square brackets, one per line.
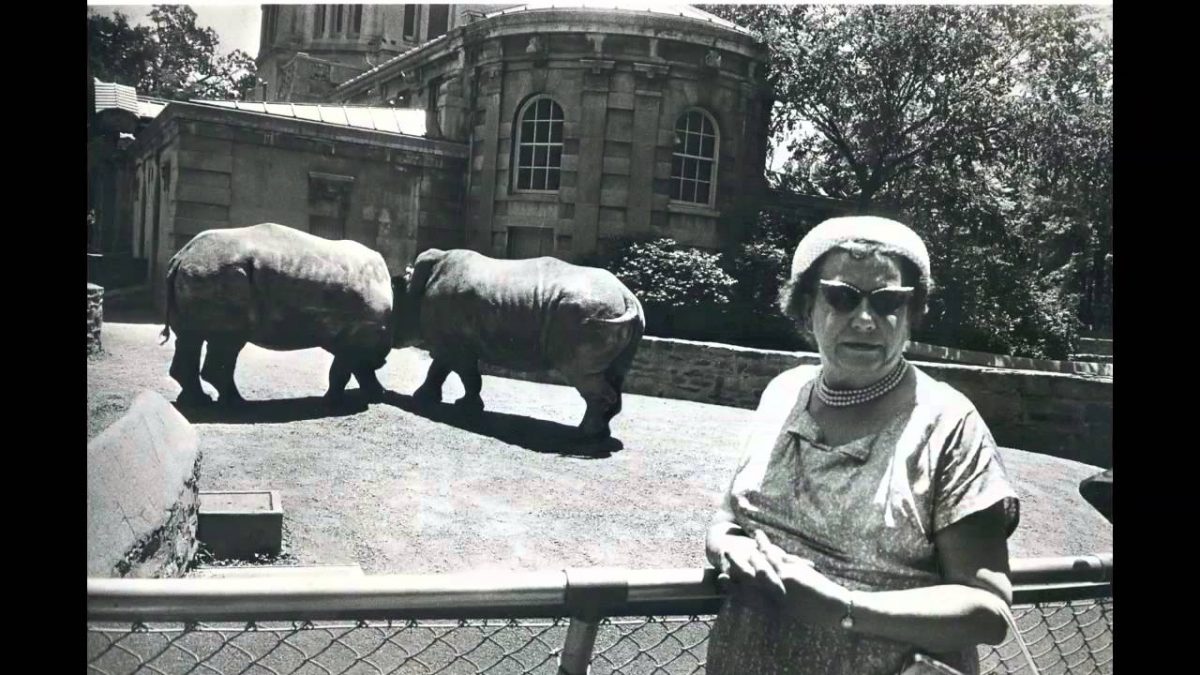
[864, 512]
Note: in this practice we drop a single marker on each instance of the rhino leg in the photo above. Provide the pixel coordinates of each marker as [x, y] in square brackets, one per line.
[603, 403]
[472, 384]
[185, 369]
[219, 365]
[339, 376]
[368, 383]
[430, 390]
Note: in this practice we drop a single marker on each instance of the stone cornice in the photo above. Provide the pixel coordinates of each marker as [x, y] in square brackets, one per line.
[572, 21]
[177, 112]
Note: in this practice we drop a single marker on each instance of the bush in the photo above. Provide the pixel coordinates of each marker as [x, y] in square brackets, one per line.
[986, 302]
[684, 290]
[760, 269]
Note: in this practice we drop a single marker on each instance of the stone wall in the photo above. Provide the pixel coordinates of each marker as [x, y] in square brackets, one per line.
[1058, 414]
[95, 317]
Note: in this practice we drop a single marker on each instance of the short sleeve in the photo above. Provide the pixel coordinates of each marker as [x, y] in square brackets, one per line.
[971, 476]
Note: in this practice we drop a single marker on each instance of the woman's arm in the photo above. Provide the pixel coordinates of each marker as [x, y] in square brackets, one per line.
[965, 611]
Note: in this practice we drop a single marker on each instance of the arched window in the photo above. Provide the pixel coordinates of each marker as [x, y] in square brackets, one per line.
[539, 143]
[694, 162]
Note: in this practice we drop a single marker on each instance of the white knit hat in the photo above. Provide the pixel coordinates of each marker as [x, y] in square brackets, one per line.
[830, 233]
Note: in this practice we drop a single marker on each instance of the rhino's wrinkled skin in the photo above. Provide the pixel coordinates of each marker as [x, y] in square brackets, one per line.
[278, 288]
[536, 314]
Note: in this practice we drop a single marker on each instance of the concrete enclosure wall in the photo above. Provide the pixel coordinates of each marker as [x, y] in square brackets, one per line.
[1063, 415]
[143, 493]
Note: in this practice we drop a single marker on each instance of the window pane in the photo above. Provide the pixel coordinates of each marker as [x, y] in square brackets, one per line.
[526, 156]
[543, 109]
[543, 132]
[523, 179]
[556, 157]
[702, 193]
[693, 144]
[704, 170]
[556, 132]
[689, 168]
[675, 188]
[539, 179]
[706, 146]
[527, 132]
[539, 156]
[552, 179]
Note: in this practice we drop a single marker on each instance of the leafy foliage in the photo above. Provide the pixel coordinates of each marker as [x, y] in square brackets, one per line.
[663, 274]
[685, 290]
[987, 128]
[174, 59]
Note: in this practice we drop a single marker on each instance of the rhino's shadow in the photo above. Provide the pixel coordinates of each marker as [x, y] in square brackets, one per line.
[272, 411]
[526, 432]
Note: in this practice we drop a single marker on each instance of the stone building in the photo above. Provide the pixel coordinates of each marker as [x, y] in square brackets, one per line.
[307, 50]
[584, 125]
[522, 131]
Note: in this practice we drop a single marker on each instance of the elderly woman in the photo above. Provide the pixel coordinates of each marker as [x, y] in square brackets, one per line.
[868, 520]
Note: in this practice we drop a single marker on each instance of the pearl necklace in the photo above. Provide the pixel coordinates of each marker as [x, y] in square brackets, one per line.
[841, 398]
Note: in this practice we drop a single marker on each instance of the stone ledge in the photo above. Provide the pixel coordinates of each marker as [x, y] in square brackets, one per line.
[1061, 414]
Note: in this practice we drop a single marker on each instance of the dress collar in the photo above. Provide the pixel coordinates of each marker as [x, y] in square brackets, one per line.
[800, 423]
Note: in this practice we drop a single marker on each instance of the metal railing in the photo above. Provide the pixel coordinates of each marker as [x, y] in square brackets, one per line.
[613, 620]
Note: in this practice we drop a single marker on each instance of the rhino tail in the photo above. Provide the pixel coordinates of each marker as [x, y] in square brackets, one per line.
[172, 269]
[633, 312]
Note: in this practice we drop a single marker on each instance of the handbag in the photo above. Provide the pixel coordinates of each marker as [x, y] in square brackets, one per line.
[923, 664]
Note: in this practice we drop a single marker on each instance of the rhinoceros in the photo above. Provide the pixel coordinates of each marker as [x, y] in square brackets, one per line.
[281, 289]
[530, 315]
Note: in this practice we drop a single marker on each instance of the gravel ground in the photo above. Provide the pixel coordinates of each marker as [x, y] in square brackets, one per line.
[397, 491]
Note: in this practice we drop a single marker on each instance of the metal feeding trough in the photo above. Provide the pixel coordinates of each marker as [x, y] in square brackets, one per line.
[240, 524]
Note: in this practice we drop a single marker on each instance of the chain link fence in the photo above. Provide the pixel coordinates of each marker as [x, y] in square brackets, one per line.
[1069, 637]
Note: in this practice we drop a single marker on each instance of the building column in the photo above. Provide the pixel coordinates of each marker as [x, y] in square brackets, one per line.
[593, 108]
[480, 217]
[647, 108]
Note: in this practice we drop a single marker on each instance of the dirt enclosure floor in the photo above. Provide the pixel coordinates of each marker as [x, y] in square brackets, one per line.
[396, 489]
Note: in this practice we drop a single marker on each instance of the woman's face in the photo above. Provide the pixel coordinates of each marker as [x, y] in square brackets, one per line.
[860, 346]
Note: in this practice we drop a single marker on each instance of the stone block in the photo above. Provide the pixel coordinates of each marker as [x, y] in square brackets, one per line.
[240, 524]
[95, 317]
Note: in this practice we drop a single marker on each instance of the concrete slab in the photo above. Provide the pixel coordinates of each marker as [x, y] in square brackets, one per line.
[141, 477]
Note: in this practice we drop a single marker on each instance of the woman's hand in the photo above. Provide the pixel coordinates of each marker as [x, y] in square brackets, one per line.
[743, 563]
[809, 595]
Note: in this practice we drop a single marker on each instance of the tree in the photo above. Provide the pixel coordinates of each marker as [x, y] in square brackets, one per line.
[989, 129]
[174, 59]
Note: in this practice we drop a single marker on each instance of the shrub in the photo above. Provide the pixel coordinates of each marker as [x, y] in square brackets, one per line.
[684, 290]
[665, 275]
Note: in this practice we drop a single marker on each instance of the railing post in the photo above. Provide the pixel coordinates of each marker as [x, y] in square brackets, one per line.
[576, 654]
[590, 594]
